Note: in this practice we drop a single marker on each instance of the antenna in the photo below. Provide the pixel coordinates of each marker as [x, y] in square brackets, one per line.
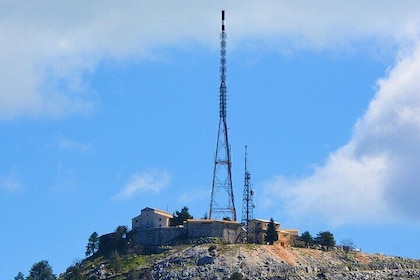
[247, 202]
[222, 203]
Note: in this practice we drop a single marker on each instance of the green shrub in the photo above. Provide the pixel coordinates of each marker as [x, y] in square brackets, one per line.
[236, 276]
[212, 248]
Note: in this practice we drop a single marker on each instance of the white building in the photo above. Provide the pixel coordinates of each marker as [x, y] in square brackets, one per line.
[151, 218]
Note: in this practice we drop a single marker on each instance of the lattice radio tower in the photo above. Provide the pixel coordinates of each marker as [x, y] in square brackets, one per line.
[247, 202]
[222, 204]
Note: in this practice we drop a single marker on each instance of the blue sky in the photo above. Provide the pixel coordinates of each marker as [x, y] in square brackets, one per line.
[106, 109]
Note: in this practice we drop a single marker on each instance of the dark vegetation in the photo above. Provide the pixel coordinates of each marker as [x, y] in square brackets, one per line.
[93, 244]
[323, 240]
[271, 234]
[236, 276]
[181, 216]
[111, 247]
[39, 271]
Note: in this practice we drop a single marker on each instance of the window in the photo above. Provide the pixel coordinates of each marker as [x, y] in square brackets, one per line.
[160, 219]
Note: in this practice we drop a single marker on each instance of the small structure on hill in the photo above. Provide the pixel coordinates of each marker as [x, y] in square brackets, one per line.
[152, 228]
[151, 218]
[227, 231]
[257, 229]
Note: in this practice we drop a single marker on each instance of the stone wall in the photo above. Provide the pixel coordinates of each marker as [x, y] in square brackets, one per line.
[158, 236]
[225, 230]
[228, 231]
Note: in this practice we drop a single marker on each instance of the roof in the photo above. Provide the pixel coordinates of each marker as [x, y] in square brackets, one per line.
[292, 231]
[211, 221]
[264, 221]
[158, 211]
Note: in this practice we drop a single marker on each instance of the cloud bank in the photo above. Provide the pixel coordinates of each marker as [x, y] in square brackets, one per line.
[50, 49]
[151, 181]
[375, 177]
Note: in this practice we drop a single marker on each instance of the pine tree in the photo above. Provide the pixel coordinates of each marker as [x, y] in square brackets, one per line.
[271, 234]
[20, 276]
[181, 217]
[307, 238]
[41, 271]
[325, 238]
[93, 244]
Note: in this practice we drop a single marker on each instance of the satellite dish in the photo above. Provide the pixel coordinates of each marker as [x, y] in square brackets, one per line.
[252, 192]
[255, 205]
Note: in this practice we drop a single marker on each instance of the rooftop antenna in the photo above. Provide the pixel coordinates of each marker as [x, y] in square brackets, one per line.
[247, 202]
[222, 204]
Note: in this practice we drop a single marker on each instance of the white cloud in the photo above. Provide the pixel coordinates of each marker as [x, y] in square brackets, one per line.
[375, 177]
[150, 181]
[10, 184]
[194, 195]
[48, 57]
[69, 144]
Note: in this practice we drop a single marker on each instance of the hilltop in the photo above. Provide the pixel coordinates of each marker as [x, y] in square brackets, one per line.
[226, 261]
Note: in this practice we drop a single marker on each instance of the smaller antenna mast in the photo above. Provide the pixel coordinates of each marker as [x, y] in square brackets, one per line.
[247, 203]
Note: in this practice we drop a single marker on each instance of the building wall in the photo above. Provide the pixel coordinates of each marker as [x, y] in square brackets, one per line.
[284, 238]
[158, 236]
[228, 231]
[256, 230]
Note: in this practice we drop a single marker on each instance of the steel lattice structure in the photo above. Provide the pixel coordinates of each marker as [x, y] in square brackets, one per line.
[247, 202]
[222, 203]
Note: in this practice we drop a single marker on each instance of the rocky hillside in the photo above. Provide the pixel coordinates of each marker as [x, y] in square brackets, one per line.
[247, 262]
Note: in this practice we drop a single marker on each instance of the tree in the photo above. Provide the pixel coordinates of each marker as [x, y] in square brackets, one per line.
[73, 272]
[226, 218]
[20, 276]
[271, 234]
[307, 238]
[41, 271]
[93, 244]
[205, 216]
[325, 238]
[117, 241]
[348, 245]
[121, 231]
[180, 217]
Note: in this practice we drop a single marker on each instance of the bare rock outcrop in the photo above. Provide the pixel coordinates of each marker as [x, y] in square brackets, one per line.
[275, 262]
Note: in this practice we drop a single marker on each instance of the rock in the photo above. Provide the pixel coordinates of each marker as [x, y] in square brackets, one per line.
[205, 260]
[195, 262]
